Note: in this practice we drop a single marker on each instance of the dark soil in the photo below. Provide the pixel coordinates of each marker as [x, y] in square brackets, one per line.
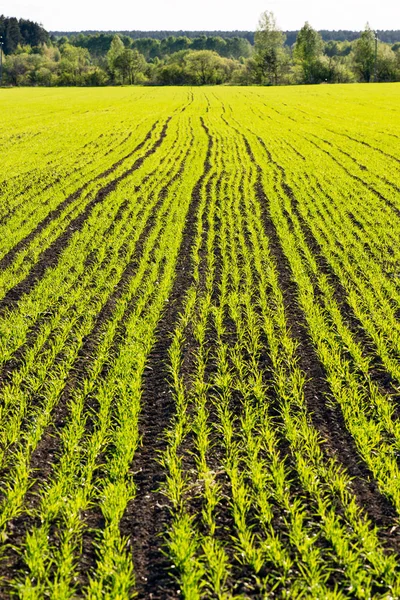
[148, 516]
[50, 256]
[377, 371]
[360, 180]
[326, 417]
[45, 456]
[363, 143]
[8, 258]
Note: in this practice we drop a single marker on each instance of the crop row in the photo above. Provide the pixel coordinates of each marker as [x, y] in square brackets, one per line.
[223, 262]
[294, 524]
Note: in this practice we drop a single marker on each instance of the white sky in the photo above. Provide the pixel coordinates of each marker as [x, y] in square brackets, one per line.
[77, 15]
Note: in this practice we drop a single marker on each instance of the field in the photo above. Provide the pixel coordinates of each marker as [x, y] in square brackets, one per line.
[200, 343]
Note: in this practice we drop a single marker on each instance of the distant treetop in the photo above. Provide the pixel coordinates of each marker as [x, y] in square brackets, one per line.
[341, 35]
[23, 32]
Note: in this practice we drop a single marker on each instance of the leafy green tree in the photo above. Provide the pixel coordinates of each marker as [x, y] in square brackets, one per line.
[62, 40]
[334, 69]
[364, 54]
[307, 52]
[73, 64]
[94, 76]
[16, 68]
[334, 48]
[237, 47]
[227, 69]
[203, 66]
[216, 44]
[309, 44]
[245, 73]
[269, 49]
[116, 49]
[78, 57]
[149, 47]
[32, 33]
[199, 43]
[397, 55]
[130, 64]
[177, 58]
[52, 53]
[170, 74]
[98, 45]
[387, 64]
[45, 76]
[173, 44]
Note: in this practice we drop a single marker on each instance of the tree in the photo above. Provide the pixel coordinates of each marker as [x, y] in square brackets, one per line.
[269, 51]
[307, 51]
[308, 44]
[13, 36]
[237, 48]
[364, 54]
[116, 49]
[73, 64]
[216, 44]
[15, 67]
[171, 74]
[149, 47]
[130, 63]
[387, 66]
[199, 43]
[203, 66]
[334, 48]
[172, 44]
[32, 33]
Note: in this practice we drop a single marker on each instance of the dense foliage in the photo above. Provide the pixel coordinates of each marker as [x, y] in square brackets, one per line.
[162, 35]
[22, 32]
[32, 58]
[341, 35]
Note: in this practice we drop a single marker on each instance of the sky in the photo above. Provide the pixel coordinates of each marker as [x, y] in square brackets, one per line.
[210, 15]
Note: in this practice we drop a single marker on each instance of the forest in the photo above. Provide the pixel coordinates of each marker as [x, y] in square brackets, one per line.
[34, 57]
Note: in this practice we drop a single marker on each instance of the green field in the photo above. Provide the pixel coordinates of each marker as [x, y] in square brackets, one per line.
[200, 343]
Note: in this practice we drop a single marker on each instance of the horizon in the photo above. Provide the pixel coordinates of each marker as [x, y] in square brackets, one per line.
[176, 15]
[51, 31]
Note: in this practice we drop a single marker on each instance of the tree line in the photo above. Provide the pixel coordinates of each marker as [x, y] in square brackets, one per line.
[342, 35]
[119, 59]
[22, 32]
[161, 35]
[151, 48]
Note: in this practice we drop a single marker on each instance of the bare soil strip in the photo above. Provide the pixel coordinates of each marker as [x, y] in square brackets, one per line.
[377, 372]
[45, 456]
[326, 417]
[147, 517]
